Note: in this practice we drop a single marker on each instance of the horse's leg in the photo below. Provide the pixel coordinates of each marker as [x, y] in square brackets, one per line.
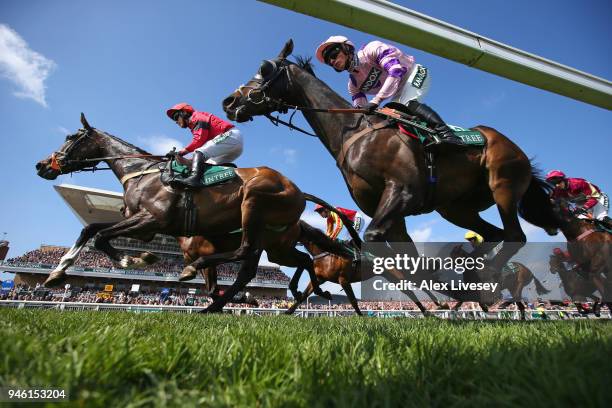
[248, 270]
[210, 281]
[507, 192]
[58, 275]
[141, 225]
[521, 307]
[294, 258]
[348, 289]
[307, 292]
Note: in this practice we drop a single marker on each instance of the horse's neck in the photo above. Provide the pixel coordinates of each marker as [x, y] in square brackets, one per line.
[113, 147]
[573, 229]
[329, 127]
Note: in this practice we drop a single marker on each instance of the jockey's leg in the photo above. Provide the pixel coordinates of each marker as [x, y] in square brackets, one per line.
[197, 171]
[225, 148]
[426, 113]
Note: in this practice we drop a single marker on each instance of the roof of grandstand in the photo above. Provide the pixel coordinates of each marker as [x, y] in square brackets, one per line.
[91, 204]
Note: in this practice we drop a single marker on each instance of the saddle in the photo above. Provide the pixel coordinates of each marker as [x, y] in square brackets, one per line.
[410, 126]
[179, 168]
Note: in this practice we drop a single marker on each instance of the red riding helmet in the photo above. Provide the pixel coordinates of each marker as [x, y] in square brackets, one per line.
[180, 106]
[554, 174]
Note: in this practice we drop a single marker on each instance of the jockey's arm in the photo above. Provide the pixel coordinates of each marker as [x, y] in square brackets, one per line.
[359, 99]
[200, 136]
[592, 195]
[388, 59]
[336, 226]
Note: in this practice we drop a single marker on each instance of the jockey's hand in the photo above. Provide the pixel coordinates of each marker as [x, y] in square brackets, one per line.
[183, 152]
[370, 107]
[170, 155]
[579, 211]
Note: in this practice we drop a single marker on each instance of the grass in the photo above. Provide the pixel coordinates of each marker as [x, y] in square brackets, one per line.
[113, 359]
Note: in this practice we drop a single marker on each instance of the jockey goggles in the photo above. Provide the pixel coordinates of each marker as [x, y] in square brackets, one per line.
[332, 53]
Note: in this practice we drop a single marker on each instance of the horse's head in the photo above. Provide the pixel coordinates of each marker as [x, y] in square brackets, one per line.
[268, 91]
[72, 155]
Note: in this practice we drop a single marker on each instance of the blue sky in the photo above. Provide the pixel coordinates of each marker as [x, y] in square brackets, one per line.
[123, 63]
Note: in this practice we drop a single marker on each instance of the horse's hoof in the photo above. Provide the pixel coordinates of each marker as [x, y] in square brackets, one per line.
[149, 258]
[55, 278]
[297, 296]
[189, 272]
[325, 295]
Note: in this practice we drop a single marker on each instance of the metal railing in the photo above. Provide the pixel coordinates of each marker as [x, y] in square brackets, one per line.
[303, 313]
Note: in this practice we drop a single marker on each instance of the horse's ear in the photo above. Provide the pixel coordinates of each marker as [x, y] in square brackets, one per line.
[84, 122]
[287, 49]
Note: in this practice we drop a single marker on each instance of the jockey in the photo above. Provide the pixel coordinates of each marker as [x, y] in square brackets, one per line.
[386, 72]
[334, 223]
[590, 201]
[214, 140]
[473, 238]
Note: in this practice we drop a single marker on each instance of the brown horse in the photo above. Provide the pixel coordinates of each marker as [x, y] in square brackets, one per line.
[577, 288]
[260, 201]
[589, 245]
[387, 174]
[514, 279]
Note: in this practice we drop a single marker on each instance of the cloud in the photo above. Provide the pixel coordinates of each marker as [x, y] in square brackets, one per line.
[314, 219]
[537, 234]
[289, 155]
[492, 101]
[26, 68]
[264, 261]
[63, 130]
[160, 144]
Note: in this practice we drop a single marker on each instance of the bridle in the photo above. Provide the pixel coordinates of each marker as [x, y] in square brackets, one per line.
[59, 161]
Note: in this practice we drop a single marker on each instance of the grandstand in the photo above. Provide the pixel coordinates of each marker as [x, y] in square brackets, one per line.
[93, 270]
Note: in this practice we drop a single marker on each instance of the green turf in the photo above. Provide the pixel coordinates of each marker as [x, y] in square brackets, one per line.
[113, 359]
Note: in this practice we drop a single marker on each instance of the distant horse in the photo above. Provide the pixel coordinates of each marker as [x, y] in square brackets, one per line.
[589, 245]
[578, 288]
[387, 173]
[514, 279]
[341, 270]
[260, 202]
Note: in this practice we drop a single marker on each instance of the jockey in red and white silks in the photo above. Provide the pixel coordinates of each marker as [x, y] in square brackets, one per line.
[214, 140]
[590, 201]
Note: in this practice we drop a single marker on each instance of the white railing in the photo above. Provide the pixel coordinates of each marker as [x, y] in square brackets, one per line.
[444, 314]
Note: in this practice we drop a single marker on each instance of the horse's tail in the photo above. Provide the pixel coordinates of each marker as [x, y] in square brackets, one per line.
[347, 223]
[535, 206]
[539, 287]
[310, 234]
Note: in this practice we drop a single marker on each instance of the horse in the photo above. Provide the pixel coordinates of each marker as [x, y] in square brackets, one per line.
[588, 245]
[386, 173]
[577, 288]
[343, 271]
[515, 279]
[260, 202]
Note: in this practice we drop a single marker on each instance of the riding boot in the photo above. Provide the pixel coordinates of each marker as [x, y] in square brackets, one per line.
[197, 171]
[434, 120]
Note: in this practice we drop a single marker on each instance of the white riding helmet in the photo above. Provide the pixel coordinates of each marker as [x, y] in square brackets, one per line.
[334, 39]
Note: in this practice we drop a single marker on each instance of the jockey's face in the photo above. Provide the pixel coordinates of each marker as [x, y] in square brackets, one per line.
[182, 122]
[560, 183]
[338, 62]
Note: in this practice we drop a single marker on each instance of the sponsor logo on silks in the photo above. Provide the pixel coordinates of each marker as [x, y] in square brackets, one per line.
[371, 79]
[420, 77]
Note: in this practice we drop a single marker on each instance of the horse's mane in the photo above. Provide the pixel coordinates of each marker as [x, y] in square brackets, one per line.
[306, 64]
[138, 149]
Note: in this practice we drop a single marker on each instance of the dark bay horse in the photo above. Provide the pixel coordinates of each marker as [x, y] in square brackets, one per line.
[260, 201]
[386, 174]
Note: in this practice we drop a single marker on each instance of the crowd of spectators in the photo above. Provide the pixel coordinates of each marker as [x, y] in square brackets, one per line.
[169, 266]
[174, 299]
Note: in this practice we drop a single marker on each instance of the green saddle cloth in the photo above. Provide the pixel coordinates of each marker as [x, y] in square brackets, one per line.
[212, 175]
[468, 136]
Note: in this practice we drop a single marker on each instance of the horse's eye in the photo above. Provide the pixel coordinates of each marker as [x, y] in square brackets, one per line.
[266, 69]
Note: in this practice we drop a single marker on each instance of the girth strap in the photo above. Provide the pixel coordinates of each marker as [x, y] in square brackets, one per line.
[130, 176]
[351, 140]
